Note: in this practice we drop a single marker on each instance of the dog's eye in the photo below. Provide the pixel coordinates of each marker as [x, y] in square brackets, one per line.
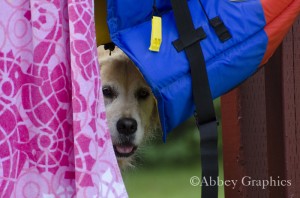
[108, 92]
[142, 93]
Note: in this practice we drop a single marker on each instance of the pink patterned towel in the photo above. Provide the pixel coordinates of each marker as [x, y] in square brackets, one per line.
[54, 141]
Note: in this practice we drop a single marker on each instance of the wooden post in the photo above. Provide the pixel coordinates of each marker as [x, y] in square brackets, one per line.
[261, 125]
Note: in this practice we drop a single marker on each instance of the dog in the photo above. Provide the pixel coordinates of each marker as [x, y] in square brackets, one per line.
[131, 108]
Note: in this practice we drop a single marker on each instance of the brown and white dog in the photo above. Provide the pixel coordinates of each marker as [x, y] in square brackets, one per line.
[130, 105]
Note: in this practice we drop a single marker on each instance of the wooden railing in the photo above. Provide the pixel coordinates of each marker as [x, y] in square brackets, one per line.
[261, 126]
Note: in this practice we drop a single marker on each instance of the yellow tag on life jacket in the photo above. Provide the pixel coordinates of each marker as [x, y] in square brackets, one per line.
[156, 34]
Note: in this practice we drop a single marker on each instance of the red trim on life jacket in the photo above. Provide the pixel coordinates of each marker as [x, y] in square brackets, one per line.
[272, 8]
[279, 18]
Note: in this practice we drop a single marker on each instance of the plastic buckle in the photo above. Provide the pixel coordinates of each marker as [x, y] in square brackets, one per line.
[220, 29]
[198, 123]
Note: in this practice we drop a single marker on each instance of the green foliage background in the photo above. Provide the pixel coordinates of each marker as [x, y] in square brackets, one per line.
[164, 169]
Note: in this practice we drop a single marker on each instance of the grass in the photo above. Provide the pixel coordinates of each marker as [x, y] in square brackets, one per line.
[164, 182]
[161, 182]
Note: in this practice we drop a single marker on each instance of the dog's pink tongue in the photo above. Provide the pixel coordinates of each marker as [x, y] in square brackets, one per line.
[124, 149]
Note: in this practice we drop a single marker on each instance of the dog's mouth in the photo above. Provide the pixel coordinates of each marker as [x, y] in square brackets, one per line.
[125, 150]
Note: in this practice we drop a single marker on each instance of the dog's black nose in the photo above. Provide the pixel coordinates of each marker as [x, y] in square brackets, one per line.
[127, 126]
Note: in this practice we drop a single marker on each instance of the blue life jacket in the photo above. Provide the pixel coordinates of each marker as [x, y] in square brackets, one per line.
[253, 24]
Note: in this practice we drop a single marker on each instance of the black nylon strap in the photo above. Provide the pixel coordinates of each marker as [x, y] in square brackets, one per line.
[198, 35]
[220, 29]
[218, 26]
[205, 114]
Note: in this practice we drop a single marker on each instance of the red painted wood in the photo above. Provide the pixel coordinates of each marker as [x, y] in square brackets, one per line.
[261, 125]
[233, 163]
[291, 108]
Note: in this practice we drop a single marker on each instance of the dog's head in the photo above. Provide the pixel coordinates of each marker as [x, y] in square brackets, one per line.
[130, 105]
